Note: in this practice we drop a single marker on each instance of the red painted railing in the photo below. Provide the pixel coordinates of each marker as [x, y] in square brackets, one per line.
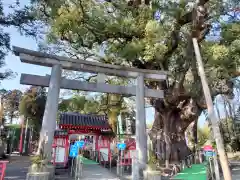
[3, 165]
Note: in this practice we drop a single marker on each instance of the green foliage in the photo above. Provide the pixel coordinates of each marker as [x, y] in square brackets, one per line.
[117, 33]
[11, 103]
[152, 161]
[79, 104]
[230, 32]
[231, 141]
[39, 162]
[107, 104]
[36, 160]
[203, 135]
[32, 105]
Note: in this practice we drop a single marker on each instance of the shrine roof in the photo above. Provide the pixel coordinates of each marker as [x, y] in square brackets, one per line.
[83, 121]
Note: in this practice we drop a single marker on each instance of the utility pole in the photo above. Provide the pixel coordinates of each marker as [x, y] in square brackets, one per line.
[198, 22]
[211, 114]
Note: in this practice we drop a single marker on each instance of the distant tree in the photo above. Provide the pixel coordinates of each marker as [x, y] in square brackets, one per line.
[204, 134]
[3, 92]
[108, 104]
[32, 106]
[79, 104]
[2, 96]
[228, 132]
[231, 140]
[11, 104]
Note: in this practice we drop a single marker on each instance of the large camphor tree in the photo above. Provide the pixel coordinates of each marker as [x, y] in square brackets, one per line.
[153, 34]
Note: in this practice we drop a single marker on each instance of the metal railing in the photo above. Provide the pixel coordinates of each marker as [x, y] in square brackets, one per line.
[100, 157]
[211, 164]
[213, 170]
[77, 168]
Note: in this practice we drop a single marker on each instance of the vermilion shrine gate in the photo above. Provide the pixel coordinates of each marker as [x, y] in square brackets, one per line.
[72, 126]
[55, 82]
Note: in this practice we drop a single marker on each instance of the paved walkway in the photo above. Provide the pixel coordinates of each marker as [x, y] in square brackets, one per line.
[235, 174]
[96, 172]
[18, 167]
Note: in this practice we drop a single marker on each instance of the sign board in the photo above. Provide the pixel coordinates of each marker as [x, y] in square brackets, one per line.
[209, 153]
[73, 151]
[121, 146]
[79, 144]
[208, 148]
[59, 154]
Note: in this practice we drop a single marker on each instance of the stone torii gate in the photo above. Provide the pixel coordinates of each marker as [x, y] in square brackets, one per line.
[55, 82]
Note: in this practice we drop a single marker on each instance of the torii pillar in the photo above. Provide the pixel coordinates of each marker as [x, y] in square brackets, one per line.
[51, 109]
[140, 160]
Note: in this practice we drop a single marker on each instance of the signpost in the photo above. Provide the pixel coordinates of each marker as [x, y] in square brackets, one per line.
[73, 154]
[79, 144]
[211, 156]
[121, 147]
[208, 151]
[73, 151]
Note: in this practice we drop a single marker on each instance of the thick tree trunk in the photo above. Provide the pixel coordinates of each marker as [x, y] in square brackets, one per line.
[169, 131]
[172, 145]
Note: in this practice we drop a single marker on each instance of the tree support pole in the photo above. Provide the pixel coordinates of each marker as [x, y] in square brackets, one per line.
[50, 112]
[211, 114]
[141, 137]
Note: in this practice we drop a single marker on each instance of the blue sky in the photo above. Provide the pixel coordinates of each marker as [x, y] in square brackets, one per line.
[13, 63]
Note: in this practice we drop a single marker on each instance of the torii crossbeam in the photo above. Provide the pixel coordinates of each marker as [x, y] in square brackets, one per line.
[55, 82]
